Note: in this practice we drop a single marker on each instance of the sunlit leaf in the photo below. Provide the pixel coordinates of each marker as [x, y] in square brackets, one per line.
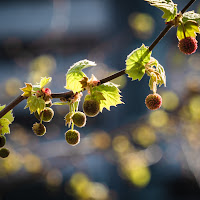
[136, 61]
[44, 81]
[8, 115]
[191, 28]
[75, 75]
[4, 126]
[167, 6]
[27, 90]
[35, 104]
[191, 15]
[111, 94]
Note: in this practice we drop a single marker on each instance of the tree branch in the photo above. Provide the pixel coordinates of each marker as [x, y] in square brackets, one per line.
[67, 95]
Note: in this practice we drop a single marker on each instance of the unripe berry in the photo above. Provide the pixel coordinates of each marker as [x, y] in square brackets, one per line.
[47, 113]
[91, 107]
[2, 140]
[72, 137]
[188, 45]
[4, 153]
[153, 101]
[79, 119]
[39, 129]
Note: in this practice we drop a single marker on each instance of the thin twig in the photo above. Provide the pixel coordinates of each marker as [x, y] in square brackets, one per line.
[67, 95]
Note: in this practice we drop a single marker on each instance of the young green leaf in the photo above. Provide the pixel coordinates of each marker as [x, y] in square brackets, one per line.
[8, 115]
[4, 126]
[191, 15]
[107, 94]
[35, 104]
[27, 90]
[44, 81]
[136, 61]
[167, 6]
[191, 28]
[75, 75]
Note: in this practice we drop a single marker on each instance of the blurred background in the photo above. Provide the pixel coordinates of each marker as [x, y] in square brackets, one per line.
[126, 153]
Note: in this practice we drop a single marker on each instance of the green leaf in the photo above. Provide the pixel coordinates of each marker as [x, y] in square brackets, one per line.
[4, 126]
[35, 104]
[44, 81]
[167, 6]
[75, 75]
[136, 61]
[191, 28]
[191, 15]
[8, 115]
[111, 95]
[36, 88]
[27, 90]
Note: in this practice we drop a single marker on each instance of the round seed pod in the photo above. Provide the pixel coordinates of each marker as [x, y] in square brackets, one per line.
[72, 137]
[188, 45]
[153, 101]
[4, 152]
[47, 113]
[2, 140]
[91, 107]
[39, 129]
[79, 119]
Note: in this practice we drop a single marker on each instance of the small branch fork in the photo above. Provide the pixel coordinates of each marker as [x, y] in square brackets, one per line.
[67, 95]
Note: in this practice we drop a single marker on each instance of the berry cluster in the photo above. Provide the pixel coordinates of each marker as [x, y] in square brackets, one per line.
[46, 114]
[91, 108]
[4, 152]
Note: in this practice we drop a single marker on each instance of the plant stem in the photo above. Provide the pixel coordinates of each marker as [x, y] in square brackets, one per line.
[67, 95]
[11, 105]
[187, 6]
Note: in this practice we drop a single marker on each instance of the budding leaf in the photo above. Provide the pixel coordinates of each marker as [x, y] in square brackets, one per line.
[8, 115]
[108, 95]
[75, 75]
[191, 15]
[35, 104]
[191, 28]
[136, 61]
[44, 81]
[167, 6]
[4, 126]
[68, 119]
[27, 90]
[157, 73]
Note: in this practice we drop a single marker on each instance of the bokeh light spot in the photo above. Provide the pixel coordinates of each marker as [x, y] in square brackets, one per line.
[170, 100]
[158, 118]
[144, 135]
[142, 24]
